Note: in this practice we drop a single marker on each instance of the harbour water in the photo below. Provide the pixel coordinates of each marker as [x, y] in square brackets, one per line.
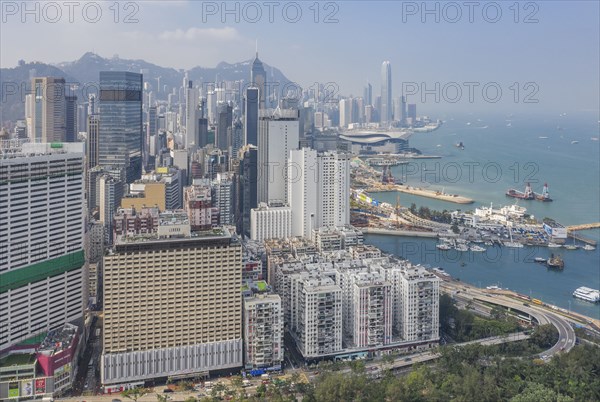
[504, 152]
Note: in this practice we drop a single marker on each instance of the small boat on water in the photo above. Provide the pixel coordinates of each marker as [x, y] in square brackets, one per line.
[555, 262]
[554, 245]
[443, 246]
[539, 259]
[588, 247]
[477, 249]
[461, 247]
[570, 247]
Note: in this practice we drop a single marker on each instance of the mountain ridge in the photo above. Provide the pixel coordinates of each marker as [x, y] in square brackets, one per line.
[86, 69]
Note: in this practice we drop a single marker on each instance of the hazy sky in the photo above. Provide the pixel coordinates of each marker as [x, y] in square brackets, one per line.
[558, 55]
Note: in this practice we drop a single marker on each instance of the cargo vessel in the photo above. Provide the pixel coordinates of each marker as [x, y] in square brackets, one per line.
[529, 194]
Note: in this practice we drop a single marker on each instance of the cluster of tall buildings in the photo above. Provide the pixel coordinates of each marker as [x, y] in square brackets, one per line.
[203, 226]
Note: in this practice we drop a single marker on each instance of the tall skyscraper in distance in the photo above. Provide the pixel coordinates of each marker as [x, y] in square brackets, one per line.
[93, 128]
[224, 126]
[49, 110]
[41, 239]
[120, 113]
[251, 116]
[71, 118]
[191, 119]
[258, 79]
[368, 94]
[386, 93]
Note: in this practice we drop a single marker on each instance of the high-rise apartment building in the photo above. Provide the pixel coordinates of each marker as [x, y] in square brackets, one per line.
[41, 238]
[172, 304]
[263, 327]
[319, 190]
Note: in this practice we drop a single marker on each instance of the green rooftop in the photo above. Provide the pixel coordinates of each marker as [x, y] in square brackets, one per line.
[19, 359]
[34, 340]
[261, 285]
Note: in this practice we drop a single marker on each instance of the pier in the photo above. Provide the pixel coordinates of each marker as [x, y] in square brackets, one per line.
[585, 226]
[438, 195]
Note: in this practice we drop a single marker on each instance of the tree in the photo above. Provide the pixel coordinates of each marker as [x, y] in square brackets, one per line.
[162, 398]
[545, 336]
[388, 359]
[455, 228]
[134, 393]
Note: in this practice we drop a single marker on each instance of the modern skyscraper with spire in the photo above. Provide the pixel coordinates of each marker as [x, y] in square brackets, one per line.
[386, 93]
[258, 78]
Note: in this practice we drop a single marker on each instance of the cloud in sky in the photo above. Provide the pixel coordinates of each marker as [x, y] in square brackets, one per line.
[211, 34]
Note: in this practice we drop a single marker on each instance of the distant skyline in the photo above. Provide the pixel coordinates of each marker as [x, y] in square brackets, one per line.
[559, 54]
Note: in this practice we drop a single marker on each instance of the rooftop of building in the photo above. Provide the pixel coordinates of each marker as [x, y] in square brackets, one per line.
[220, 233]
[19, 148]
[17, 359]
[58, 339]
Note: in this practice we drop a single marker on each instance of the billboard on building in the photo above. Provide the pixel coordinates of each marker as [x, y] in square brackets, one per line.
[13, 389]
[27, 387]
[40, 386]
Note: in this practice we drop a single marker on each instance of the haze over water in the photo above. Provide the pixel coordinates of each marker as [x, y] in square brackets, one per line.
[572, 172]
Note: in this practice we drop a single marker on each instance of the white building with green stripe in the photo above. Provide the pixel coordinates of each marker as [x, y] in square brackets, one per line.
[42, 284]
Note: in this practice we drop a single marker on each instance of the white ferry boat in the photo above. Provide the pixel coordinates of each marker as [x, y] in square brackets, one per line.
[587, 294]
[554, 245]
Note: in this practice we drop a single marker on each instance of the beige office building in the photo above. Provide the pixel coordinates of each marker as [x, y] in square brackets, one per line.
[172, 304]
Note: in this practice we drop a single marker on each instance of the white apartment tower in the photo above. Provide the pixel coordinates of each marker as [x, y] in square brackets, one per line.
[270, 222]
[41, 238]
[319, 190]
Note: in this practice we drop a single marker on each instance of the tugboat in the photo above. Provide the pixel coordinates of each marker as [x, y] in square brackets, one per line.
[555, 262]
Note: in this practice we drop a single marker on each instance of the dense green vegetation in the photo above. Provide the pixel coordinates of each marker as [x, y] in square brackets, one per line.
[431, 214]
[464, 325]
[472, 373]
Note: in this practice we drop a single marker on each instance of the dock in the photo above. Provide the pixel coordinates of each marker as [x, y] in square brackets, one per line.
[585, 226]
[455, 198]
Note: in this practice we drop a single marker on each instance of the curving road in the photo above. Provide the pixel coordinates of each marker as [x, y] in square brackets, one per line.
[566, 334]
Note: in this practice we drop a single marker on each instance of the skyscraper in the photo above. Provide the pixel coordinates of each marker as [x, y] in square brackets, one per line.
[277, 136]
[224, 126]
[386, 93]
[41, 239]
[120, 113]
[248, 183]
[258, 79]
[251, 116]
[191, 119]
[368, 94]
[48, 110]
[71, 118]
[93, 128]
